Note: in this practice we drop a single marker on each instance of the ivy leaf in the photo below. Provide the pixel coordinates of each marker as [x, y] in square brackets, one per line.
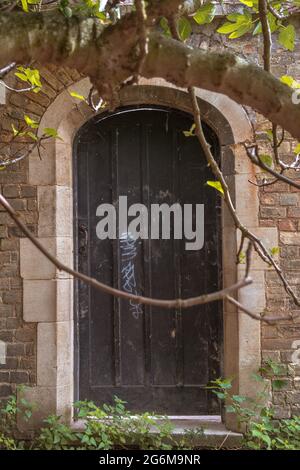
[77, 95]
[205, 14]
[184, 28]
[287, 37]
[31, 122]
[266, 160]
[217, 185]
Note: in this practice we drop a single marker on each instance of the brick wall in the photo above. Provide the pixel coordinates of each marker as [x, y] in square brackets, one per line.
[20, 337]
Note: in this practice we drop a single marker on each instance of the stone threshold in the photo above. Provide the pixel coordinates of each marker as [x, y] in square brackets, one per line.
[215, 435]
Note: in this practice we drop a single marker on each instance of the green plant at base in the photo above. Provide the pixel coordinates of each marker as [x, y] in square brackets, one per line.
[261, 429]
[8, 420]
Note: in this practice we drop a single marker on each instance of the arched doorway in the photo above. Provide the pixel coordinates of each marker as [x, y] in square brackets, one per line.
[156, 360]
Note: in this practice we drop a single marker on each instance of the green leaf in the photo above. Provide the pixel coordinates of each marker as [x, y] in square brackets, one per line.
[205, 14]
[264, 437]
[31, 122]
[15, 131]
[191, 132]
[290, 81]
[24, 5]
[278, 384]
[50, 132]
[165, 26]
[217, 185]
[242, 258]
[248, 3]
[238, 25]
[31, 76]
[32, 136]
[238, 398]
[240, 31]
[227, 28]
[267, 160]
[269, 133]
[274, 250]
[21, 76]
[297, 149]
[287, 37]
[77, 95]
[67, 12]
[184, 28]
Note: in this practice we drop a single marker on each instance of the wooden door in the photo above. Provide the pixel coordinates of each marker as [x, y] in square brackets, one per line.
[155, 359]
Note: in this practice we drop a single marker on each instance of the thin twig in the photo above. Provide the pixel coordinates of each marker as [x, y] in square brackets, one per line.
[266, 31]
[252, 152]
[257, 243]
[256, 316]
[20, 90]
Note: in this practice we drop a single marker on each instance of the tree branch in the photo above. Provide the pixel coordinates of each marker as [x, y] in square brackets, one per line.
[266, 31]
[177, 303]
[107, 54]
[257, 243]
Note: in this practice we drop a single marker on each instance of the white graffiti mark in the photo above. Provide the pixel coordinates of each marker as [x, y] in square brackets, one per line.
[128, 254]
[296, 353]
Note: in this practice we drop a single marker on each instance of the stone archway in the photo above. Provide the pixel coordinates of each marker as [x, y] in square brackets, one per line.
[48, 294]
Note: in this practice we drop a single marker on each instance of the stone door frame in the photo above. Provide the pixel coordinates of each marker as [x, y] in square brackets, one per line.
[48, 293]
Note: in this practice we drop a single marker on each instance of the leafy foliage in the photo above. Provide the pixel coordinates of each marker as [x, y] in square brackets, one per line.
[257, 420]
[104, 428]
[205, 14]
[30, 76]
[247, 21]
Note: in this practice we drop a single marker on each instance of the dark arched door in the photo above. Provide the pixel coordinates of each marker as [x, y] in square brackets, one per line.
[155, 359]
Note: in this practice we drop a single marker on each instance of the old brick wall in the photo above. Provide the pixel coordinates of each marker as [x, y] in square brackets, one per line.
[279, 207]
[20, 337]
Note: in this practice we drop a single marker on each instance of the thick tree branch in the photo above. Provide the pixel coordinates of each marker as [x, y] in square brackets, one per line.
[109, 56]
